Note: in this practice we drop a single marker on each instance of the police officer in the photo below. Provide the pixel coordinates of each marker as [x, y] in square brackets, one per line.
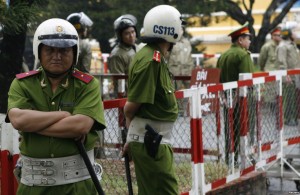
[236, 59]
[82, 22]
[180, 61]
[151, 100]
[123, 52]
[287, 57]
[267, 56]
[51, 107]
[267, 62]
[232, 62]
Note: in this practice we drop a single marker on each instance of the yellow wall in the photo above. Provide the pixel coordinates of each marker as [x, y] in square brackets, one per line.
[215, 35]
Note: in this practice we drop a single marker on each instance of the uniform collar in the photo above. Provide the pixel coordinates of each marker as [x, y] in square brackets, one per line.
[44, 82]
[127, 47]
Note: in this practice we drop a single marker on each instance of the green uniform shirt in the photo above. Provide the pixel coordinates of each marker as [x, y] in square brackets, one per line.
[234, 61]
[73, 95]
[150, 84]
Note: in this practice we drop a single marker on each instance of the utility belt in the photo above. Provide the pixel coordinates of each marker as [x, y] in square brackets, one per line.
[141, 138]
[136, 130]
[151, 133]
[54, 171]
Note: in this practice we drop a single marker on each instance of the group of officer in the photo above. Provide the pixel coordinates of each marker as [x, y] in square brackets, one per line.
[56, 106]
[276, 54]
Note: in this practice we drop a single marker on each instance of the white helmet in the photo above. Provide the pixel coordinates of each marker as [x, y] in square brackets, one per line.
[55, 32]
[163, 22]
[80, 20]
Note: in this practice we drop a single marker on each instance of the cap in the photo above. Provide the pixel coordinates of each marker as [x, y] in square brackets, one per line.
[276, 30]
[244, 30]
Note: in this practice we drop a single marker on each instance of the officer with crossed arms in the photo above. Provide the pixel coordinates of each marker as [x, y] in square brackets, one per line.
[51, 107]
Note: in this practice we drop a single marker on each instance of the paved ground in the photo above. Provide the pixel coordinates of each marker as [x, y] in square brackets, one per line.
[278, 187]
[286, 185]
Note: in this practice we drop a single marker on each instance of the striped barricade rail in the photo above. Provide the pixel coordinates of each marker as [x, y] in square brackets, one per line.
[203, 153]
[236, 124]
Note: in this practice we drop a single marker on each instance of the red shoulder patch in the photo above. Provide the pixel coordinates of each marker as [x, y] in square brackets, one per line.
[82, 76]
[27, 74]
[156, 56]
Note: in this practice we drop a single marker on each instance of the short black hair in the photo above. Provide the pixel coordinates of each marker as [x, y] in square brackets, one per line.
[234, 39]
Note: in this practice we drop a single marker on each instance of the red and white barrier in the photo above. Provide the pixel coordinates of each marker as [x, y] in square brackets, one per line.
[206, 128]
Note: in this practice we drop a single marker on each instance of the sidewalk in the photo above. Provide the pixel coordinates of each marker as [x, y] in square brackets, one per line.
[282, 188]
[287, 184]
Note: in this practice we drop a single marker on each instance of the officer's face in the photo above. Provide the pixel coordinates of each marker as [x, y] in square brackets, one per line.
[56, 60]
[245, 41]
[276, 37]
[129, 36]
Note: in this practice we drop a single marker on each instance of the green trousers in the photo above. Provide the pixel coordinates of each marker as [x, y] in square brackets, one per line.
[154, 175]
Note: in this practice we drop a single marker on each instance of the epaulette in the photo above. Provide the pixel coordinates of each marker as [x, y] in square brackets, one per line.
[82, 76]
[27, 74]
[156, 56]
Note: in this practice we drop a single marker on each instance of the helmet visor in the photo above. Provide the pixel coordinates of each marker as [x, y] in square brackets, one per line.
[59, 40]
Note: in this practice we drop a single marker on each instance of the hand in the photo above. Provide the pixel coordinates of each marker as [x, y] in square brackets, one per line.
[125, 151]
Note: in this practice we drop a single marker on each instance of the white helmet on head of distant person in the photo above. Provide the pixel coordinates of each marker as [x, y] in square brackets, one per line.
[55, 32]
[162, 22]
[80, 21]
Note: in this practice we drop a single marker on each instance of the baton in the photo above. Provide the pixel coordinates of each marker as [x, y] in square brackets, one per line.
[89, 166]
[127, 166]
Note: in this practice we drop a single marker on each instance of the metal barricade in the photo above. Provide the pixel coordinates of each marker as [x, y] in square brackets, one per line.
[215, 122]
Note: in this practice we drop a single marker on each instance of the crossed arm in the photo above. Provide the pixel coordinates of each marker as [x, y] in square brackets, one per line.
[56, 123]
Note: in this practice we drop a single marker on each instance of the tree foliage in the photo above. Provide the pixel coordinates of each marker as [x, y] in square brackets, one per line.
[13, 21]
[234, 10]
[102, 12]
[241, 11]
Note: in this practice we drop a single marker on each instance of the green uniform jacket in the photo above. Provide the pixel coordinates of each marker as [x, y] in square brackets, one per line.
[120, 58]
[149, 83]
[234, 61]
[267, 56]
[73, 95]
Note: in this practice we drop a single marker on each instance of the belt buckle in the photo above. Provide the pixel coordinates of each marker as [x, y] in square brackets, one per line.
[46, 163]
[135, 137]
[46, 181]
[47, 172]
